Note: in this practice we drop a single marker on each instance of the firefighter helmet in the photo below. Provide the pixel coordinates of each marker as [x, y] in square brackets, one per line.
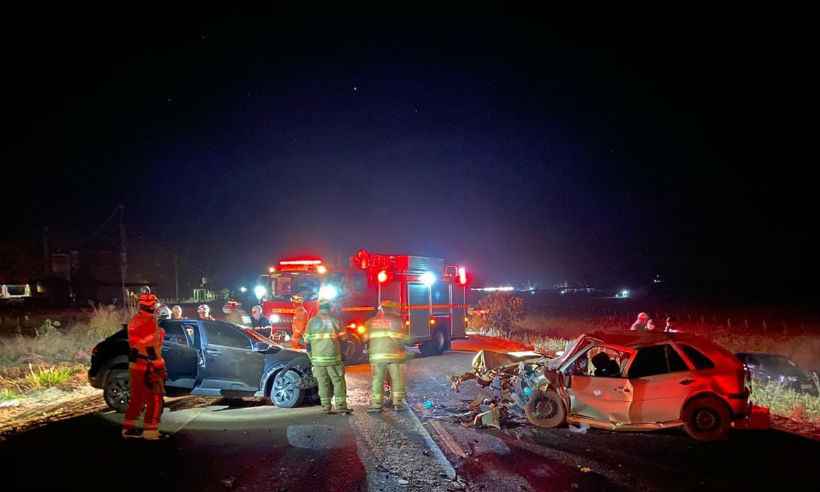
[202, 308]
[164, 312]
[643, 317]
[148, 301]
[297, 299]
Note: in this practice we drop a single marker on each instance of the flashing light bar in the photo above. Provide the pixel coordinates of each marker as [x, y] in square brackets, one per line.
[300, 262]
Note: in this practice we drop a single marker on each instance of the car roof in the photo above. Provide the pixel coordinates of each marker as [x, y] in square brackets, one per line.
[642, 339]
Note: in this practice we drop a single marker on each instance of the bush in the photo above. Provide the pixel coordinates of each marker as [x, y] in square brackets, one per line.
[501, 312]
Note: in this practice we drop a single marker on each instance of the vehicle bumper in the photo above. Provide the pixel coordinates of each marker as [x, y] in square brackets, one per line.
[757, 418]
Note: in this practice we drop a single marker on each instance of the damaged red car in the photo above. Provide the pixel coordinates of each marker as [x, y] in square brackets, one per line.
[643, 381]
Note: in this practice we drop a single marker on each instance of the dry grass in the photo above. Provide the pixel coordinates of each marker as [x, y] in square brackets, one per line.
[54, 345]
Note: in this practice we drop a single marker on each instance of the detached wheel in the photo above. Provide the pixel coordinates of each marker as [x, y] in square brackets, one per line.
[545, 409]
[286, 391]
[117, 389]
[707, 419]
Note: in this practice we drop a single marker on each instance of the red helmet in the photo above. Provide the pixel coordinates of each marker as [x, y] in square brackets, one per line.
[148, 301]
[230, 307]
[643, 316]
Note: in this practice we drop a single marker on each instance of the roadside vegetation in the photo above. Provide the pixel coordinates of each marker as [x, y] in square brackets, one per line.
[54, 353]
[503, 315]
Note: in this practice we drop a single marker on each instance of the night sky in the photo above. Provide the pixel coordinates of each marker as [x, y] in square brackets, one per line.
[531, 145]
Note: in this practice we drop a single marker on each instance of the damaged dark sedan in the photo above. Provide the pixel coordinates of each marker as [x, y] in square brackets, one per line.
[208, 358]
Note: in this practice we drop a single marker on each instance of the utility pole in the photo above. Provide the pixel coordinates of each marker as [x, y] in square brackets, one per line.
[46, 255]
[176, 276]
[123, 257]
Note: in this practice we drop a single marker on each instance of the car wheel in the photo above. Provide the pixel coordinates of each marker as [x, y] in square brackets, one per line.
[706, 419]
[434, 346]
[352, 349]
[286, 391]
[117, 389]
[545, 409]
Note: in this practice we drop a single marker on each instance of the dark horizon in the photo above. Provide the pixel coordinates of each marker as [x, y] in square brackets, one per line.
[528, 147]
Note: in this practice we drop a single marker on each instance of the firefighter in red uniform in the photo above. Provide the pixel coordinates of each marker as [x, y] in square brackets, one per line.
[146, 369]
[300, 320]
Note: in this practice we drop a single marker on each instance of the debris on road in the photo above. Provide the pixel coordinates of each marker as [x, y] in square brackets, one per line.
[506, 380]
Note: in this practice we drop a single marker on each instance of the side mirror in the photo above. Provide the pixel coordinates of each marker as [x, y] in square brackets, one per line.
[260, 347]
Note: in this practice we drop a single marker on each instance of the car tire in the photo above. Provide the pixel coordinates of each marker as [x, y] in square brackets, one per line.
[286, 390]
[352, 349]
[434, 346]
[545, 409]
[707, 419]
[117, 389]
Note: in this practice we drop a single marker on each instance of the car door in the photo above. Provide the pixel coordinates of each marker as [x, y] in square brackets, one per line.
[661, 382]
[600, 398]
[181, 358]
[230, 362]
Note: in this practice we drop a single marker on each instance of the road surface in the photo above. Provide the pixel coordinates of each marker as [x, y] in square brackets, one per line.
[252, 446]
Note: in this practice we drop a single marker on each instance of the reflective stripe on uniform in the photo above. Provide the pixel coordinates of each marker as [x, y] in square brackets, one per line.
[379, 357]
[321, 336]
[385, 334]
[325, 359]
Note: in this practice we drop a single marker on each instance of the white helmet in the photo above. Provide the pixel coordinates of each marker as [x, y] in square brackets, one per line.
[164, 312]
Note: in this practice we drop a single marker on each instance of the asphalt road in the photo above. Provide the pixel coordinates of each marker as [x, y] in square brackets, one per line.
[252, 446]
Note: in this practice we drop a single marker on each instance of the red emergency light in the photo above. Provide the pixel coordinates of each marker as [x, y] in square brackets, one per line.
[300, 262]
[462, 276]
[382, 276]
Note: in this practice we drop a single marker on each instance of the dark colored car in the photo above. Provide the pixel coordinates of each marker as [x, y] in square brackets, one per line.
[779, 368]
[208, 358]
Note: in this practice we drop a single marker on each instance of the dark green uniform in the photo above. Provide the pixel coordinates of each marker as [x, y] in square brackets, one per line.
[386, 338]
[322, 339]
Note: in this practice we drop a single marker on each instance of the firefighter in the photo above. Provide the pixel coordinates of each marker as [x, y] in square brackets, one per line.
[640, 323]
[259, 322]
[146, 370]
[322, 341]
[164, 312]
[386, 337]
[204, 312]
[176, 312]
[300, 321]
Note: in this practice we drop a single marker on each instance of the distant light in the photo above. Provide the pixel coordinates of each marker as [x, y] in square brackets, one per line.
[243, 289]
[625, 293]
[260, 291]
[382, 276]
[328, 292]
[321, 269]
[274, 318]
[428, 278]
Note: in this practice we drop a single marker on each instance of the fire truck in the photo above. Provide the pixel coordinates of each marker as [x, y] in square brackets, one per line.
[432, 294]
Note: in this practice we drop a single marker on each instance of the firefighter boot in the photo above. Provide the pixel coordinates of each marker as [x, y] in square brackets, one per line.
[132, 434]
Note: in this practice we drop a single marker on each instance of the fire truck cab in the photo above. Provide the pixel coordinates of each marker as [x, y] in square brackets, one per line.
[432, 295]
